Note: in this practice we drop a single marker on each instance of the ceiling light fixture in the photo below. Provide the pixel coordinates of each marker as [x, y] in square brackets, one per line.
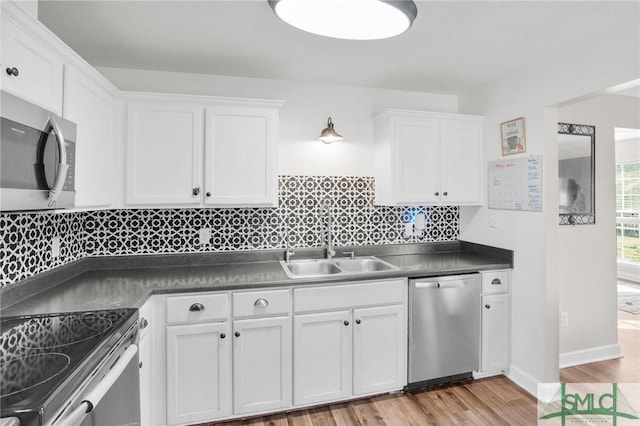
[329, 134]
[348, 19]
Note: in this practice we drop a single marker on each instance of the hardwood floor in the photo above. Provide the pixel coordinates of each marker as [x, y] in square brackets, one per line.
[491, 401]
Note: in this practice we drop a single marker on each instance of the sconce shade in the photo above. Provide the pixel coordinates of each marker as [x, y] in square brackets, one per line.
[329, 134]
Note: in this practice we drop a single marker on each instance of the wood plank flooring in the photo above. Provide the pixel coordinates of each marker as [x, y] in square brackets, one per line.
[493, 401]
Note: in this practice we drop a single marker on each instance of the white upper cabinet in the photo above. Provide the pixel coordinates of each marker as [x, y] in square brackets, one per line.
[30, 68]
[93, 106]
[164, 148]
[428, 158]
[241, 156]
[174, 159]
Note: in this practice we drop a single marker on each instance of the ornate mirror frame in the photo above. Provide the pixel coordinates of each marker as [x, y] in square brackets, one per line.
[586, 214]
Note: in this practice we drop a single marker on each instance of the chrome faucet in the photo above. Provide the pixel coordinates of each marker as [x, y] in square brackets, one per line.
[330, 251]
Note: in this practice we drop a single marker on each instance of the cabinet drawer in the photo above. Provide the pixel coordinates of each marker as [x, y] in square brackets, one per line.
[495, 282]
[349, 295]
[197, 307]
[260, 303]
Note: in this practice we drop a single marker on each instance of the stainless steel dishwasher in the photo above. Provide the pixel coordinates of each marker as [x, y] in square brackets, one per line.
[444, 329]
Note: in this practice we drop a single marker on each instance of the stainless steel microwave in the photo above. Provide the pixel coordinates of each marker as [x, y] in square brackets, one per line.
[37, 157]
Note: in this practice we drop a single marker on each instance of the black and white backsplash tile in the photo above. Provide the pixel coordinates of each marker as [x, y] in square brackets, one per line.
[298, 221]
[25, 245]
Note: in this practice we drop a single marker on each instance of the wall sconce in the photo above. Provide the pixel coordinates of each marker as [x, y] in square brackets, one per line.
[329, 135]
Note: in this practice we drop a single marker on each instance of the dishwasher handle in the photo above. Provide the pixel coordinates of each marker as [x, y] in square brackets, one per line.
[92, 399]
[440, 284]
[428, 284]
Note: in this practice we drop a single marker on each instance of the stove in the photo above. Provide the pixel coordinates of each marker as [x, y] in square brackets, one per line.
[46, 359]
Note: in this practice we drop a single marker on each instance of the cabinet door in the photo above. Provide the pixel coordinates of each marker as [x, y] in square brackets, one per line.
[261, 364]
[40, 70]
[164, 148]
[198, 372]
[95, 112]
[241, 156]
[321, 357]
[418, 161]
[495, 332]
[379, 349]
[461, 162]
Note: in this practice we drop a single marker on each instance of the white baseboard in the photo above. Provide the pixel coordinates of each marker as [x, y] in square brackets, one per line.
[586, 356]
[524, 380]
[485, 374]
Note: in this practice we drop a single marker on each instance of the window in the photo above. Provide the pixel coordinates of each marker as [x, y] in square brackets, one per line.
[627, 208]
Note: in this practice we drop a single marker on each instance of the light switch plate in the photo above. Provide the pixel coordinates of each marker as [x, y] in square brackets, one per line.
[564, 319]
[494, 220]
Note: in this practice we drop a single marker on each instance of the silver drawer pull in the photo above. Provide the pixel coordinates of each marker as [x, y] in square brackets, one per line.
[261, 303]
[143, 323]
[496, 281]
[196, 307]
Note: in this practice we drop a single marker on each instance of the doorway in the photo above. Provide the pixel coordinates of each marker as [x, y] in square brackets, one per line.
[627, 143]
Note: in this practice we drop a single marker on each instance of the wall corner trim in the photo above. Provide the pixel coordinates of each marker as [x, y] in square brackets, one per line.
[524, 380]
[586, 356]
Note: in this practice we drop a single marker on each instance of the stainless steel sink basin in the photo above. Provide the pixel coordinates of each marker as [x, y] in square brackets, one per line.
[366, 264]
[310, 268]
[322, 267]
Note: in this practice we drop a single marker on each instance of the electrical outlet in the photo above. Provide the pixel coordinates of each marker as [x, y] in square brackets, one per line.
[205, 236]
[55, 247]
[494, 220]
[564, 319]
[408, 230]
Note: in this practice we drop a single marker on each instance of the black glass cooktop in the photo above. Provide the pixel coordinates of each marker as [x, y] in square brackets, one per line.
[43, 358]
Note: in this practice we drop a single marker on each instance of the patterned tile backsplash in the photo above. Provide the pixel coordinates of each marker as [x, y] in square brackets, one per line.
[297, 222]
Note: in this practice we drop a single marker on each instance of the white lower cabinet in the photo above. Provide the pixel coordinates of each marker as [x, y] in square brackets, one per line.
[379, 356]
[261, 364]
[349, 352]
[494, 342]
[232, 354]
[198, 372]
[495, 332]
[322, 357]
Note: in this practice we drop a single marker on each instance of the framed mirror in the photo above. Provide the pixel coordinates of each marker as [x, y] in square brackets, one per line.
[576, 172]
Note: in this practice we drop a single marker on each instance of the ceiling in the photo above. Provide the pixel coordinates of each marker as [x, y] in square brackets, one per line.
[453, 46]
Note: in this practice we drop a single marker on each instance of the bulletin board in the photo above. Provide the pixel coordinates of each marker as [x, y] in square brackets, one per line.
[516, 184]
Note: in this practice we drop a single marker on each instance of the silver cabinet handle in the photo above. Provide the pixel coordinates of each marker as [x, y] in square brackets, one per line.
[487, 306]
[496, 281]
[196, 307]
[195, 191]
[143, 323]
[13, 71]
[261, 303]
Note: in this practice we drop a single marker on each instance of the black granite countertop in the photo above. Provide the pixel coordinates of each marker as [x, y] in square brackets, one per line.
[128, 281]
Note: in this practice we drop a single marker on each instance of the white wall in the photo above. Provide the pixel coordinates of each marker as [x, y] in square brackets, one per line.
[304, 115]
[628, 150]
[609, 57]
[587, 254]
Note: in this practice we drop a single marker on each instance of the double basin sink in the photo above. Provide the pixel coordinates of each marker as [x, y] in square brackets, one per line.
[309, 268]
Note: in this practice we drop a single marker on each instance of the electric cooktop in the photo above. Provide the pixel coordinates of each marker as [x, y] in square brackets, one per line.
[44, 358]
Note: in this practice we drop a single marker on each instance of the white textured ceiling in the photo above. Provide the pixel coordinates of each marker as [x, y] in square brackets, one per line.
[453, 46]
